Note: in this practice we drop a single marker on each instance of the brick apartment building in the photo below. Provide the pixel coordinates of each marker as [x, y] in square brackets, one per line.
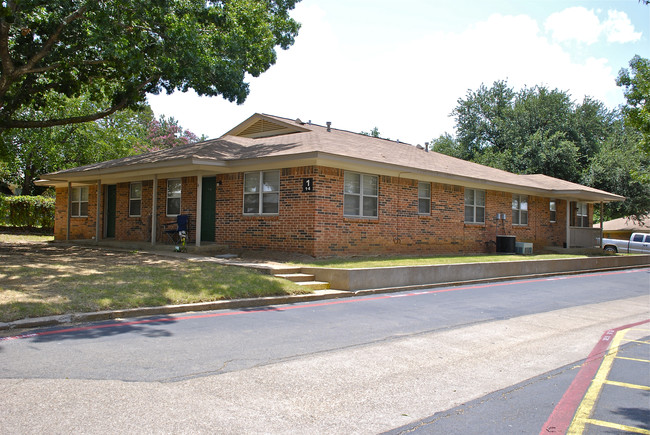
[279, 184]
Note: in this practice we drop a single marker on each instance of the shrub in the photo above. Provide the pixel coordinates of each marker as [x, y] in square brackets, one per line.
[4, 210]
[27, 211]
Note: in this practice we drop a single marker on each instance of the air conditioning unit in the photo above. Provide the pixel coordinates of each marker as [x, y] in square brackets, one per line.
[524, 248]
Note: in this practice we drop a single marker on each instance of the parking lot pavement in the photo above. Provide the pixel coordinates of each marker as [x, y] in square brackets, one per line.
[611, 391]
[618, 396]
[605, 393]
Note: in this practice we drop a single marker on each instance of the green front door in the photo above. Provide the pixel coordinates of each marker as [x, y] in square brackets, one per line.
[208, 208]
[111, 197]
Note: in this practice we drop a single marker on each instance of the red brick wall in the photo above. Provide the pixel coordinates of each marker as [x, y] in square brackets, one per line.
[291, 230]
[80, 227]
[313, 222]
[134, 228]
[188, 207]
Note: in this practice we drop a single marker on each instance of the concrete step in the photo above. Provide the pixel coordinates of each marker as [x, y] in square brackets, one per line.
[315, 285]
[281, 270]
[296, 277]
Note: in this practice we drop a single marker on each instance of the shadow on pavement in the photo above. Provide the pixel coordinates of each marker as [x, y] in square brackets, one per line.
[145, 327]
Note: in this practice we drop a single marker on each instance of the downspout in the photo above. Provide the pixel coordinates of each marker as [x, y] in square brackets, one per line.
[99, 201]
[199, 194]
[568, 222]
[154, 209]
[67, 225]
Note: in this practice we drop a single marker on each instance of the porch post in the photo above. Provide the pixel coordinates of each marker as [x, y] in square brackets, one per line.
[67, 224]
[601, 224]
[154, 209]
[99, 201]
[199, 193]
[568, 224]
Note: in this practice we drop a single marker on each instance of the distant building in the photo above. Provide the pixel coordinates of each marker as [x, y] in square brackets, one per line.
[622, 228]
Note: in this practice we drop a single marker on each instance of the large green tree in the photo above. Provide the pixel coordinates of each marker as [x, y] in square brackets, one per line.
[533, 130]
[615, 168]
[635, 82]
[541, 130]
[116, 51]
[29, 153]
[25, 154]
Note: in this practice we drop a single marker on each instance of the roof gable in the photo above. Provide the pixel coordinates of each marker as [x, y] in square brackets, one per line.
[258, 126]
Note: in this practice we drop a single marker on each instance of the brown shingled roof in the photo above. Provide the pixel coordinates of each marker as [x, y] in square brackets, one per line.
[265, 137]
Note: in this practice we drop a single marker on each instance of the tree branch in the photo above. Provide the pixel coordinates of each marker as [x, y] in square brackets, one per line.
[18, 123]
[59, 65]
[47, 47]
[6, 62]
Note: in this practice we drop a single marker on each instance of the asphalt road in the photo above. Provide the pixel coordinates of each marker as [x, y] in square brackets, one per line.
[362, 365]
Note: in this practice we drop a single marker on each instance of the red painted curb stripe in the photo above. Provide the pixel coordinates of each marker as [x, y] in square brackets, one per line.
[562, 415]
[302, 305]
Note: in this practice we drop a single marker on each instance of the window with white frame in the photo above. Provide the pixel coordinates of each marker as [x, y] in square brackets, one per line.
[519, 210]
[581, 214]
[174, 197]
[552, 206]
[79, 202]
[262, 192]
[360, 195]
[474, 206]
[135, 199]
[424, 198]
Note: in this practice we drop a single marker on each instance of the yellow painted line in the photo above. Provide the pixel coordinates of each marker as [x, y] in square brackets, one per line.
[618, 426]
[634, 359]
[637, 341]
[626, 385]
[591, 396]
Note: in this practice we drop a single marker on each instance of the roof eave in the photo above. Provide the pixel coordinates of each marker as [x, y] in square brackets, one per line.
[132, 172]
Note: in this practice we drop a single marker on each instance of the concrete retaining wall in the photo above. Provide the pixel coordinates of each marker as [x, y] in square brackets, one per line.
[405, 276]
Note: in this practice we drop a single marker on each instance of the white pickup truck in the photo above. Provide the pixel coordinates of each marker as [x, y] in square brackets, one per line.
[639, 243]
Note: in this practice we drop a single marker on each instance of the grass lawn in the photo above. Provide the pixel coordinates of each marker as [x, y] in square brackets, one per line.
[42, 279]
[20, 238]
[391, 261]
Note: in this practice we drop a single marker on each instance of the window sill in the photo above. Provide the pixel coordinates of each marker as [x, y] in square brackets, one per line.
[372, 219]
[261, 216]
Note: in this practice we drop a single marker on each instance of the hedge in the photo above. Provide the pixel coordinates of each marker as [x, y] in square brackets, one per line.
[27, 211]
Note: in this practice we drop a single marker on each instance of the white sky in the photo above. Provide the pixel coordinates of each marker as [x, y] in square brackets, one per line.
[367, 63]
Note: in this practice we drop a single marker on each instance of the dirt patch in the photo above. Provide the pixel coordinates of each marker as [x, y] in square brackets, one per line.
[40, 263]
[42, 278]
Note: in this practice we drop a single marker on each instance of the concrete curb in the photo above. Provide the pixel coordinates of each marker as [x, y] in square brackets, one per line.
[66, 319]
[98, 316]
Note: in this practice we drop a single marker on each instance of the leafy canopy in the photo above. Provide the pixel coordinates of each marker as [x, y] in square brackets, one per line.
[636, 88]
[530, 131]
[543, 131]
[26, 154]
[116, 51]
